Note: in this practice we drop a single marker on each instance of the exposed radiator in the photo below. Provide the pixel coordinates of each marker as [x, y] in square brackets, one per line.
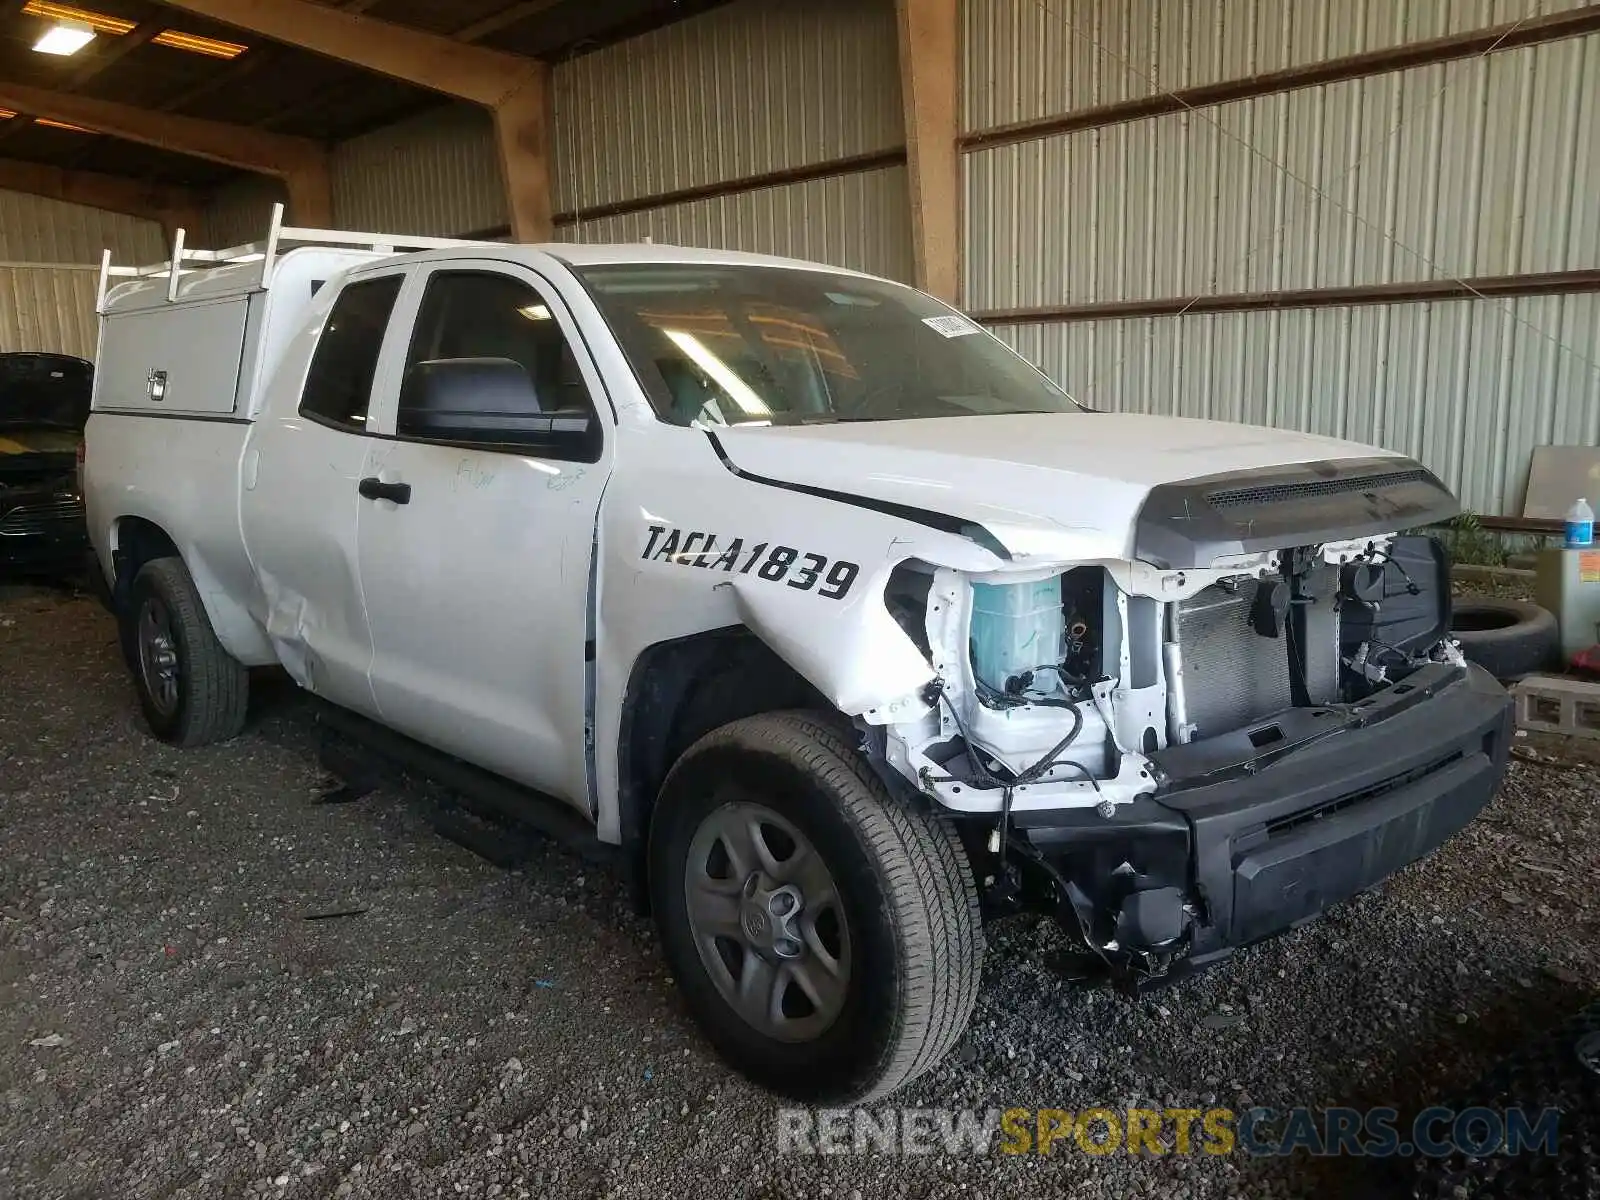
[1231, 674]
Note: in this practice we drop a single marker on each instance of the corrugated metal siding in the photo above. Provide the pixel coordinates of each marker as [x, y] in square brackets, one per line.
[48, 309]
[52, 308]
[1481, 167]
[856, 221]
[754, 87]
[240, 212]
[33, 229]
[1467, 387]
[1036, 58]
[435, 175]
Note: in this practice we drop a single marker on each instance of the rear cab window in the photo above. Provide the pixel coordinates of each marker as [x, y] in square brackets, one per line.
[338, 388]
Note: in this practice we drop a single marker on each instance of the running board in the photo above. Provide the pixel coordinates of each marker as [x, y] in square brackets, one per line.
[482, 793]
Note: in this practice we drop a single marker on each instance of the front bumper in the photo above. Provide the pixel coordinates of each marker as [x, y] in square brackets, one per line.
[42, 530]
[1252, 834]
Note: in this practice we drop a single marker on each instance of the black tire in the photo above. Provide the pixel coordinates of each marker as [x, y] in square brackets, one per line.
[904, 885]
[1507, 638]
[212, 687]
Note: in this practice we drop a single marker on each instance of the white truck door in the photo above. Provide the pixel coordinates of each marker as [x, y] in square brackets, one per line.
[302, 473]
[477, 541]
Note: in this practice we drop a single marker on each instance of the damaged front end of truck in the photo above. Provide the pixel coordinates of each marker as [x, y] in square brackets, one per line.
[1257, 715]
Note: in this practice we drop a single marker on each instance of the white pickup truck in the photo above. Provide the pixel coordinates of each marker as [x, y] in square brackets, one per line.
[846, 625]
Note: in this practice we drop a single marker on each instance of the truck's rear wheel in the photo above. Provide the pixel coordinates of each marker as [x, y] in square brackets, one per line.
[825, 935]
[192, 691]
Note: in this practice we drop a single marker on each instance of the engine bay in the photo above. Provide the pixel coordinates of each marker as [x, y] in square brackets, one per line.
[1066, 688]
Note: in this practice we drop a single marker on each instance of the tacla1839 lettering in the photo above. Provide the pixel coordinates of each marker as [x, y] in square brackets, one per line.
[802, 570]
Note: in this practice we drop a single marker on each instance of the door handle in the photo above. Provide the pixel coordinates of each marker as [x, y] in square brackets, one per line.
[374, 488]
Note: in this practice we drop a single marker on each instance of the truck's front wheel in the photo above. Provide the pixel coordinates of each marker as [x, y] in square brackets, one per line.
[192, 691]
[825, 935]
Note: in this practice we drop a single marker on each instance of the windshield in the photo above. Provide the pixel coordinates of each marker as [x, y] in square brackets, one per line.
[44, 390]
[730, 345]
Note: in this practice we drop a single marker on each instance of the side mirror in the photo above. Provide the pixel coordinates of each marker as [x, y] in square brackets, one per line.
[486, 400]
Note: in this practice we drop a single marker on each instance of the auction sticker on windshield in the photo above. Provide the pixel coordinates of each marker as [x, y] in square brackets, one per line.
[951, 326]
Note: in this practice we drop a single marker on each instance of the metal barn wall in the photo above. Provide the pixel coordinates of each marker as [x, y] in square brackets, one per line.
[1486, 166]
[1480, 167]
[240, 212]
[49, 268]
[1468, 387]
[436, 175]
[745, 91]
[1035, 58]
[755, 87]
[856, 220]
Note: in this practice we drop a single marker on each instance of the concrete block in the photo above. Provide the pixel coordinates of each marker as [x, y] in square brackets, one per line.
[1557, 704]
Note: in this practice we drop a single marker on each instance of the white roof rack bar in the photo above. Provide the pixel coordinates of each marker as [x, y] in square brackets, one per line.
[100, 288]
[273, 232]
[374, 241]
[177, 264]
[279, 236]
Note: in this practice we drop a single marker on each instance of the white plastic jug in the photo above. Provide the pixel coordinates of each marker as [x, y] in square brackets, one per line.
[1580, 526]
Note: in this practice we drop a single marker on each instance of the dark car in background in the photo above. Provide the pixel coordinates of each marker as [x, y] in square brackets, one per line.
[44, 405]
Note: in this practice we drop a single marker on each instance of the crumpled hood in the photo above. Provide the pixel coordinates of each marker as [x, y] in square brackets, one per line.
[1065, 486]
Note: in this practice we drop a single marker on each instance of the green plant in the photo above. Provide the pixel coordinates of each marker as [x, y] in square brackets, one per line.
[1469, 542]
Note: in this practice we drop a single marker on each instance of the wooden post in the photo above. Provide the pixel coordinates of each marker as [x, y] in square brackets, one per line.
[930, 90]
[310, 194]
[522, 135]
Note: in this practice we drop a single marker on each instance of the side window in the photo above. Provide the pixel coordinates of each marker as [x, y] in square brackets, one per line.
[488, 363]
[339, 383]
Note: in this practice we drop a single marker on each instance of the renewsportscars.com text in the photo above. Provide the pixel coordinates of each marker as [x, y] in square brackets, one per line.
[1372, 1132]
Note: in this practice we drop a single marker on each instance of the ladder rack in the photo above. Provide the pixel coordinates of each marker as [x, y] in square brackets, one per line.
[280, 237]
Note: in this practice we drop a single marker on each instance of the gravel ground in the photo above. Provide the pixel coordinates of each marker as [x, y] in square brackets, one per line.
[173, 1022]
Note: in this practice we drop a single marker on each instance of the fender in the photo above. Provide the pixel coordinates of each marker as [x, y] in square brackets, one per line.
[857, 657]
[239, 632]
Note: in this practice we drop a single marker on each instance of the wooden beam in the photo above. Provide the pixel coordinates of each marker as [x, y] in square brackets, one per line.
[928, 72]
[504, 19]
[234, 145]
[515, 90]
[113, 193]
[107, 51]
[247, 64]
[102, 53]
[1421, 291]
[289, 158]
[310, 188]
[522, 136]
[228, 75]
[427, 60]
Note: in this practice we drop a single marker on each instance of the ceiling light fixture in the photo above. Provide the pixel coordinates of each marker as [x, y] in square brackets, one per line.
[117, 26]
[99, 22]
[49, 124]
[195, 44]
[64, 38]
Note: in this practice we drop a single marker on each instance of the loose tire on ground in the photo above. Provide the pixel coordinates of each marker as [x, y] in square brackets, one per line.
[904, 891]
[1507, 638]
[208, 690]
